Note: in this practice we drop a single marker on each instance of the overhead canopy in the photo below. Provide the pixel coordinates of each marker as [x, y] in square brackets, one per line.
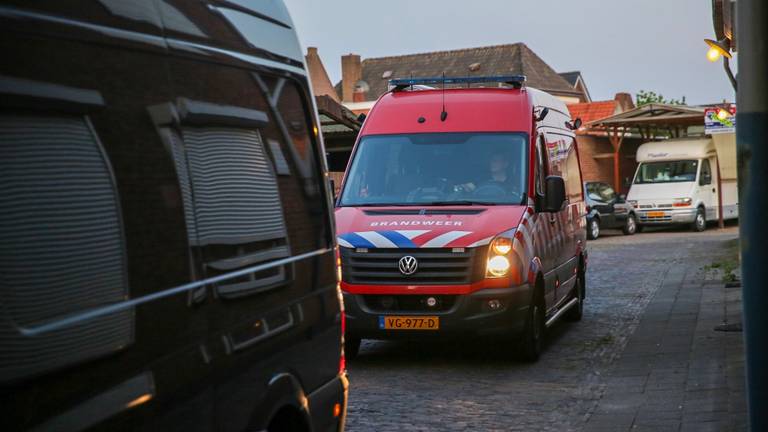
[651, 117]
[338, 124]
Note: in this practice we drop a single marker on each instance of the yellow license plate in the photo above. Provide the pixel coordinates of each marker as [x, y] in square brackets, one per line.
[392, 322]
[655, 214]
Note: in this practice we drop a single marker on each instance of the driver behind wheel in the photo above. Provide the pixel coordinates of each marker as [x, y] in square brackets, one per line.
[498, 174]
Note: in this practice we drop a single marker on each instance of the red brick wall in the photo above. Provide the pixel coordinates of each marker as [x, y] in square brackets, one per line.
[595, 169]
[601, 169]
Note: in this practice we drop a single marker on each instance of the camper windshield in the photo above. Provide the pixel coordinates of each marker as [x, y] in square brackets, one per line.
[667, 172]
[438, 169]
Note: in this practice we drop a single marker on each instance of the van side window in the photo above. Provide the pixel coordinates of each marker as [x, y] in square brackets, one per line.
[62, 250]
[232, 204]
[573, 181]
[541, 164]
[705, 177]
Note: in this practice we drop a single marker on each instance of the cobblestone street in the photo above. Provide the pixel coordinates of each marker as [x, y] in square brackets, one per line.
[473, 385]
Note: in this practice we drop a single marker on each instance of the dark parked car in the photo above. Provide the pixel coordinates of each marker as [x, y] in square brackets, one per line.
[166, 240]
[606, 210]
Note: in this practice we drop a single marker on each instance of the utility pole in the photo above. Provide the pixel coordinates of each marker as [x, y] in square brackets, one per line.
[752, 147]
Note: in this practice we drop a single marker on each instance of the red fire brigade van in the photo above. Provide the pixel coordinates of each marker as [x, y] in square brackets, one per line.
[462, 212]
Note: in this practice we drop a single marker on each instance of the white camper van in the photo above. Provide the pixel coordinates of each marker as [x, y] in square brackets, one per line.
[677, 183]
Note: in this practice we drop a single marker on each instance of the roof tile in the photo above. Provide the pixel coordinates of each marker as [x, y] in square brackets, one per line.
[510, 59]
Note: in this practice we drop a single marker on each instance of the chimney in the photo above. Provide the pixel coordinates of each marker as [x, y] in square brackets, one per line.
[351, 73]
[625, 101]
[318, 77]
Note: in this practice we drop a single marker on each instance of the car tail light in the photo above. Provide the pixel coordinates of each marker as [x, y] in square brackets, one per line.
[589, 209]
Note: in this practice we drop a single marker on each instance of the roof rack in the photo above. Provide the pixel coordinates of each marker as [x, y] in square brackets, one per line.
[399, 84]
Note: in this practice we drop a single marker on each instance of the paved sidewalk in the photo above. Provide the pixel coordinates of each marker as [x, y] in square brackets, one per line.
[676, 373]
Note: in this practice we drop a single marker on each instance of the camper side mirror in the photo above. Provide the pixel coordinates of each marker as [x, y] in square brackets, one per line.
[621, 199]
[705, 179]
[554, 195]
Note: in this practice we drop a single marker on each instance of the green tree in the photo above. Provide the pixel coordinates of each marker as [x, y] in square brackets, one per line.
[647, 97]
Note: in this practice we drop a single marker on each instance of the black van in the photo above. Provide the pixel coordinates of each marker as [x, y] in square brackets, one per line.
[166, 240]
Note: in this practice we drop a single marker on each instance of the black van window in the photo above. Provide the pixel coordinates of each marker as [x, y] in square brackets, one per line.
[232, 204]
[235, 192]
[62, 249]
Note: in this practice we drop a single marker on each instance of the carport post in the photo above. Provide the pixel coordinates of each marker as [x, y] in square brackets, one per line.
[616, 143]
[720, 218]
[751, 133]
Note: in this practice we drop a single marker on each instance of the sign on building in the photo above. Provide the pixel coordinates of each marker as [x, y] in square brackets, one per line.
[719, 120]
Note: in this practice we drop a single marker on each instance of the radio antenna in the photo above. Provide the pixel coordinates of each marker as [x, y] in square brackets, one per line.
[443, 113]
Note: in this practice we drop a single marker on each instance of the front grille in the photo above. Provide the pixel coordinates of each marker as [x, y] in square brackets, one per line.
[645, 218]
[653, 206]
[436, 266]
[408, 303]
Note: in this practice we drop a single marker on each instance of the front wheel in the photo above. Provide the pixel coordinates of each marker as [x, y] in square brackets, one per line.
[700, 223]
[630, 226]
[577, 311]
[593, 229]
[531, 341]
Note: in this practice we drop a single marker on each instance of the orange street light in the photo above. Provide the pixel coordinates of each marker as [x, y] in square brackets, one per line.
[718, 48]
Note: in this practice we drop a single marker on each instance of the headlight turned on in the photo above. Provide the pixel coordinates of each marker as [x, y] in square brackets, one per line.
[501, 245]
[682, 202]
[498, 255]
[498, 266]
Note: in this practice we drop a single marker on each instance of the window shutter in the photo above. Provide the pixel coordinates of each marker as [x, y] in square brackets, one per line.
[61, 248]
[235, 191]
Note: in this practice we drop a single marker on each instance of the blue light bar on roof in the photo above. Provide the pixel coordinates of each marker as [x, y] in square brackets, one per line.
[401, 83]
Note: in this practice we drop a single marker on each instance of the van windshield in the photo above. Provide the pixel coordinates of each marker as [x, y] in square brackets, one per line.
[438, 169]
[667, 172]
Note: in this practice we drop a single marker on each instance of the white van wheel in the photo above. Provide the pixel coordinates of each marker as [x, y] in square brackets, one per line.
[700, 222]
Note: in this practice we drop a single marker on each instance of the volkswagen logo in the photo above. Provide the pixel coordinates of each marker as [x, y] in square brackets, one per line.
[408, 265]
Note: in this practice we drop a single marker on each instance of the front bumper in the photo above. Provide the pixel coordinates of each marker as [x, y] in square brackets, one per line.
[322, 401]
[670, 216]
[469, 314]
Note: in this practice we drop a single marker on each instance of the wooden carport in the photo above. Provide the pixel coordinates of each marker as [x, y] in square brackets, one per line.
[340, 127]
[650, 122]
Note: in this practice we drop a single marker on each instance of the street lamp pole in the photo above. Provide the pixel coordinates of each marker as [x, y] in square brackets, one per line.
[751, 136]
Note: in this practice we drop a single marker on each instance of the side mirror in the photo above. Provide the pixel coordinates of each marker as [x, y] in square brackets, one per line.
[543, 114]
[573, 125]
[621, 199]
[554, 195]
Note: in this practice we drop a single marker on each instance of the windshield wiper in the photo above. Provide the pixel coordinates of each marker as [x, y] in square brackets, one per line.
[378, 205]
[459, 203]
